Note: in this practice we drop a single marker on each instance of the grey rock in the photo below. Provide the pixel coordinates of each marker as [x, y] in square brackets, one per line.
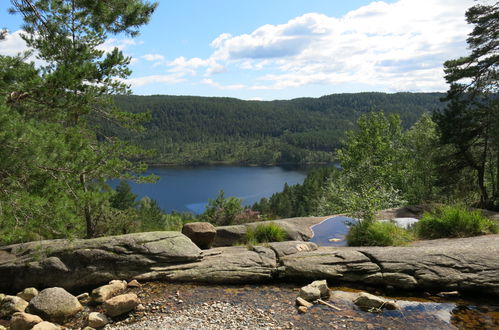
[309, 293]
[465, 264]
[24, 321]
[369, 302]
[201, 233]
[236, 264]
[93, 262]
[103, 293]
[28, 294]
[121, 304]
[97, 320]
[11, 305]
[54, 304]
[134, 284]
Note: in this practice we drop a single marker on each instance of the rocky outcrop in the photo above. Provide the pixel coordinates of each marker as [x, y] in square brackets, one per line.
[86, 263]
[236, 264]
[467, 264]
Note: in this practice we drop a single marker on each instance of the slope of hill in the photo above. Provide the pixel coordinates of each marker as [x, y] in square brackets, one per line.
[198, 130]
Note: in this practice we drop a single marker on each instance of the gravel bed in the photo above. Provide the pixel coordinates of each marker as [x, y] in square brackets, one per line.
[216, 315]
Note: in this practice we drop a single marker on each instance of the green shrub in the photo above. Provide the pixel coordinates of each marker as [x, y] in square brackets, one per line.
[264, 233]
[376, 233]
[454, 221]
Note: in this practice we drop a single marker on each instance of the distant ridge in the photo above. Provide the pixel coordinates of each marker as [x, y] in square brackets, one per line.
[202, 130]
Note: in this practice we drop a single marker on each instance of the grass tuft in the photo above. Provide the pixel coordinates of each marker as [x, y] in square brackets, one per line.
[265, 233]
[454, 221]
[376, 233]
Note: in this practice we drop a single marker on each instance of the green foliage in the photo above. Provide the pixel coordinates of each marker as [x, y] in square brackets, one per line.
[264, 233]
[376, 233]
[200, 130]
[298, 200]
[372, 172]
[454, 221]
[123, 197]
[222, 211]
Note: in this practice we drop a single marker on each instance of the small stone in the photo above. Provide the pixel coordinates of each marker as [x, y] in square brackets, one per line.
[88, 328]
[448, 294]
[28, 294]
[1, 297]
[140, 308]
[12, 304]
[368, 301]
[45, 325]
[323, 288]
[309, 293]
[2, 327]
[103, 293]
[23, 321]
[121, 304]
[134, 284]
[97, 320]
[83, 298]
[302, 309]
[302, 302]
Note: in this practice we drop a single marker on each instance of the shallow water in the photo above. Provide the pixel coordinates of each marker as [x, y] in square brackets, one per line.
[279, 301]
[332, 231]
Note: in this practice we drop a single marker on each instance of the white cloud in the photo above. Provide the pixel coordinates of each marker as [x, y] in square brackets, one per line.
[154, 79]
[13, 44]
[215, 84]
[121, 44]
[153, 57]
[398, 46]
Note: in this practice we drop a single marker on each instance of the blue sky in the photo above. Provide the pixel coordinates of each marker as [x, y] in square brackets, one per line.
[277, 49]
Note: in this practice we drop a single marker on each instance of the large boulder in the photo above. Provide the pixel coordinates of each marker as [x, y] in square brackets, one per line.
[75, 264]
[201, 233]
[12, 304]
[54, 304]
[121, 304]
[230, 235]
[103, 293]
[24, 321]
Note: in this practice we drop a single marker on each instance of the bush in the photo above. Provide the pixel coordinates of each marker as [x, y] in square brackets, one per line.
[454, 221]
[264, 233]
[376, 233]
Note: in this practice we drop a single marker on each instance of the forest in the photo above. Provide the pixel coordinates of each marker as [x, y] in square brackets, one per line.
[191, 130]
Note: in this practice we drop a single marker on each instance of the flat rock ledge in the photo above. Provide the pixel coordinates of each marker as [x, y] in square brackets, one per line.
[466, 264]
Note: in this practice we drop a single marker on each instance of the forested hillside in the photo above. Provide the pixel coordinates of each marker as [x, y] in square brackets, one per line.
[196, 130]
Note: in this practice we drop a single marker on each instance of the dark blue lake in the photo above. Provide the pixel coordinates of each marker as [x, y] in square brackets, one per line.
[187, 189]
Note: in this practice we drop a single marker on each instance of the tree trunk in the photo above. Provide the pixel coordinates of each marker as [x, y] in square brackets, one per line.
[87, 210]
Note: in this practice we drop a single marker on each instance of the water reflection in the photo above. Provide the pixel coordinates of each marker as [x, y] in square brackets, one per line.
[332, 231]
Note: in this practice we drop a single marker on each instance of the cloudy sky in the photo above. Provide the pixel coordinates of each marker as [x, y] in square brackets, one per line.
[283, 49]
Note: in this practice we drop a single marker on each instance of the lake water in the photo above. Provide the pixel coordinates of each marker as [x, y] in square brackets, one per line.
[187, 189]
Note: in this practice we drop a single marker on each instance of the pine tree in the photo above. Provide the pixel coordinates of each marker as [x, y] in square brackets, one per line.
[469, 125]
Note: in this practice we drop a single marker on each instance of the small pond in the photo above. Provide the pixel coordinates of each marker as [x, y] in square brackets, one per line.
[332, 231]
